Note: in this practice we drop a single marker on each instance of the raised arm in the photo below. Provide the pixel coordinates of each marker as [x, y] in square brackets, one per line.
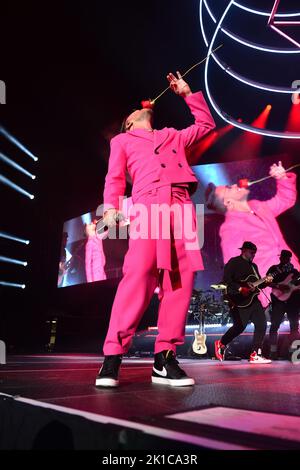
[286, 193]
[204, 122]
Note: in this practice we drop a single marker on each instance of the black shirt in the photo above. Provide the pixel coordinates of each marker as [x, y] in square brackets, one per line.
[238, 269]
[281, 271]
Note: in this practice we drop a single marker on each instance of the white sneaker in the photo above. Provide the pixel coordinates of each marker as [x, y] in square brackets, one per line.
[257, 358]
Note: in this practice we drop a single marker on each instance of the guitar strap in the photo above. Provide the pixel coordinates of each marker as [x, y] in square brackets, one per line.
[257, 276]
[254, 271]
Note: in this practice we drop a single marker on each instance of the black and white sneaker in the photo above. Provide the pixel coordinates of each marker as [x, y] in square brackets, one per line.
[166, 371]
[109, 372]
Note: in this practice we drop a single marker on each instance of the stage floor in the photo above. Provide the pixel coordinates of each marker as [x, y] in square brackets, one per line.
[230, 401]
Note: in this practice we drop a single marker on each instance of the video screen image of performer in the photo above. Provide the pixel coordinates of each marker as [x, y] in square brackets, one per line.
[285, 298]
[94, 254]
[64, 261]
[255, 220]
[242, 278]
[156, 162]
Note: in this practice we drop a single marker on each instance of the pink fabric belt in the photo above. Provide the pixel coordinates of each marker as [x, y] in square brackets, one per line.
[169, 194]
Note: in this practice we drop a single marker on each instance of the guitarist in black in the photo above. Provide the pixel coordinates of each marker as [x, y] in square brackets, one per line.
[284, 299]
[241, 276]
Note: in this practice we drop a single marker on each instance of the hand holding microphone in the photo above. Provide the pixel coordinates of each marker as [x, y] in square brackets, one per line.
[112, 217]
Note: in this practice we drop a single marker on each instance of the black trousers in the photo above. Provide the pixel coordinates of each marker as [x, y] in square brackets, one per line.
[241, 317]
[279, 308]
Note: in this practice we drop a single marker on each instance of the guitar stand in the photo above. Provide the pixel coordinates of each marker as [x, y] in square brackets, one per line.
[2, 352]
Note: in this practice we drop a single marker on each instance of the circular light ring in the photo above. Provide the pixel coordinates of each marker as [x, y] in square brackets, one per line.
[259, 47]
[237, 76]
[264, 13]
[222, 114]
[248, 81]
[235, 37]
[201, 22]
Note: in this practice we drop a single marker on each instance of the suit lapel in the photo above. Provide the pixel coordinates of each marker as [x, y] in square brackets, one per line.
[143, 135]
[158, 137]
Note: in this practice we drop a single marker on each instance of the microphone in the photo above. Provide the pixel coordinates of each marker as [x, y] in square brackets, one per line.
[102, 227]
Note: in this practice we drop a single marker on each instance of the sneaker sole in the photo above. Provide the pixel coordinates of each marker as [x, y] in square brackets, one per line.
[269, 362]
[174, 383]
[106, 383]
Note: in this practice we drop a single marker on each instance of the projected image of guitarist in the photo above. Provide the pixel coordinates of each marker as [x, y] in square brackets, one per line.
[244, 282]
[285, 299]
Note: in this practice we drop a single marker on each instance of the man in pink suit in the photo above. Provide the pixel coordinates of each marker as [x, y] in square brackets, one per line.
[255, 220]
[94, 254]
[161, 176]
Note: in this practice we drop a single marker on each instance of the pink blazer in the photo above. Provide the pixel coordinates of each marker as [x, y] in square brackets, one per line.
[155, 159]
[260, 228]
[94, 259]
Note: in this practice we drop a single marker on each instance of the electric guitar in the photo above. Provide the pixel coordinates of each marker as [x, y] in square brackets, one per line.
[199, 343]
[242, 301]
[289, 285]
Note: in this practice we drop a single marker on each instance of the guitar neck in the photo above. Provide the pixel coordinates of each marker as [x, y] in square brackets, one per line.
[258, 282]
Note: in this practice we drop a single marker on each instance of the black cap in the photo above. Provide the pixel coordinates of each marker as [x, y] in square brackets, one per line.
[248, 246]
[286, 253]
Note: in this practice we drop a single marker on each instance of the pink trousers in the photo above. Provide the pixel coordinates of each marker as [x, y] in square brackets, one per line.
[137, 286]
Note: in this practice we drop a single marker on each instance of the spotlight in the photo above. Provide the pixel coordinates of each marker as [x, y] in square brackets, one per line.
[12, 284]
[5, 259]
[18, 167]
[14, 238]
[14, 186]
[17, 143]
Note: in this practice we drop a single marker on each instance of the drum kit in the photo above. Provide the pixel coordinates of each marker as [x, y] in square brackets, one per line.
[209, 306]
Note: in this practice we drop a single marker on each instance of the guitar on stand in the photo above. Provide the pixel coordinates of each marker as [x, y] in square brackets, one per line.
[199, 343]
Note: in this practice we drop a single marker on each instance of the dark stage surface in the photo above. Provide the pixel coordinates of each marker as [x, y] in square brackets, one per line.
[234, 405]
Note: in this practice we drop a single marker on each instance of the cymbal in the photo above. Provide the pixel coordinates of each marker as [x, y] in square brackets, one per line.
[218, 286]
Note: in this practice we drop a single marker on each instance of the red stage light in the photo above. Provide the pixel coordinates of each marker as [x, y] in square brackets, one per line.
[248, 144]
